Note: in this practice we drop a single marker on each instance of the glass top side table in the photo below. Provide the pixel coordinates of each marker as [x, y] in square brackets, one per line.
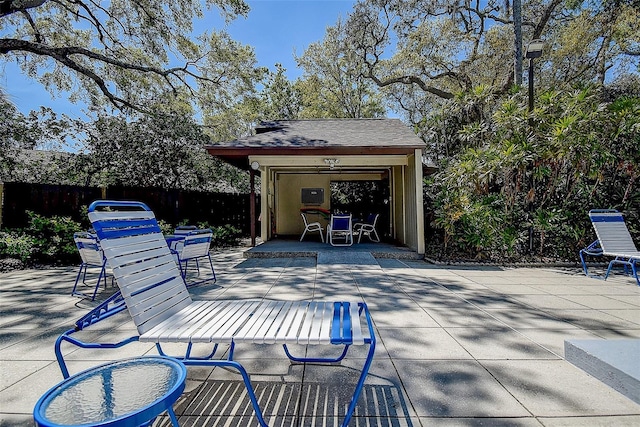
[128, 392]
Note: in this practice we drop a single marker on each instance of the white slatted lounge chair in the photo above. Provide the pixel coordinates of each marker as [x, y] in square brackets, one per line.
[92, 256]
[614, 240]
[162, 309]
[194, 246]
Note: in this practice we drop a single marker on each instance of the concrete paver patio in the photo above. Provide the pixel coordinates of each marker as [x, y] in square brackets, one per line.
[457, 346]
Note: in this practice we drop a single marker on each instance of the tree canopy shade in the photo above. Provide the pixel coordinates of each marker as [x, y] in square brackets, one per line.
[132, 53]
[421, 52]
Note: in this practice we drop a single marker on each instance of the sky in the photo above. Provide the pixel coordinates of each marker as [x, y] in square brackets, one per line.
[275, 28]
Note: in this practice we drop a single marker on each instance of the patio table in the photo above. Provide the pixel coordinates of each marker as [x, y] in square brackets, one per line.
[129, 392]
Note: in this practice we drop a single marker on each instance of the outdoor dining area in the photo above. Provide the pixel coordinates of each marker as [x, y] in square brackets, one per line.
[342, 229]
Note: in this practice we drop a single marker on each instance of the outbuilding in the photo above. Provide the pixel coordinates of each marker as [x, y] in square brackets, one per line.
[298, 160]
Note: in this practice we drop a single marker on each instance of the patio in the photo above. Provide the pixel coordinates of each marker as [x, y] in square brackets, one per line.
[457, 346]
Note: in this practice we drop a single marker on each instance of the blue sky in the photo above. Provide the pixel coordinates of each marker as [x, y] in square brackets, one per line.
[275, 28]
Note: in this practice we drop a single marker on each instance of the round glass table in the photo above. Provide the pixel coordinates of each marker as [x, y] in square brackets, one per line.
[128, 392]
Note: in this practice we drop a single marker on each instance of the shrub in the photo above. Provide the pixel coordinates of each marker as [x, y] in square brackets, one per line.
[224, 235]
[17, 244]
[45, 240]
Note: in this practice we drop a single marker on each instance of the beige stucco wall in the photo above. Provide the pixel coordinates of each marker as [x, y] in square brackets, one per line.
[398, 202]
[413, 206]
[408, 203]
[288, 190]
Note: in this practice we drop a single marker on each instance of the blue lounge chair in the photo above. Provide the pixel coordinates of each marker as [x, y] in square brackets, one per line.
[92, 256]
[613, 240]
[159, 303]
[194, 246]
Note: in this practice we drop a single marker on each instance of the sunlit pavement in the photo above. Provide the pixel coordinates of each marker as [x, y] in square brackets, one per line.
[457, 346]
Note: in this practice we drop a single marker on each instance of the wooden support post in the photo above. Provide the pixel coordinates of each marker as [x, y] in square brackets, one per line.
[252, 205]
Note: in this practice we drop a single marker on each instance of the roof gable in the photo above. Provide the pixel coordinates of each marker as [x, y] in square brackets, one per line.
[327, 133]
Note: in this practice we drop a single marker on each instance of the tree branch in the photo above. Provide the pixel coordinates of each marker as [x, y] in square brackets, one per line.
[9, 7]
[408, 80]
[64, 56]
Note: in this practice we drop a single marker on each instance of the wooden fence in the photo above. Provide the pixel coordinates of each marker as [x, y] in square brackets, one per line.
[172, 206]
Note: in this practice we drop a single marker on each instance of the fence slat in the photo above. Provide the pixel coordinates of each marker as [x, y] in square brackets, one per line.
[172, 206]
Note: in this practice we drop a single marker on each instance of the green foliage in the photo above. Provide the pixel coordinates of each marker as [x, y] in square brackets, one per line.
[127, 54]
[167, 150]
[45, 240]
[53, 238]
[17, 244]
[224, 235]
[508, 179]
[165, 227]
[334, 84]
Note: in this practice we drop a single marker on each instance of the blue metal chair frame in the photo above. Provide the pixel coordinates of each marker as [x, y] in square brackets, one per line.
[340, 227]
[340, 333]
[87, 243]
[181, 250]
[595, 249]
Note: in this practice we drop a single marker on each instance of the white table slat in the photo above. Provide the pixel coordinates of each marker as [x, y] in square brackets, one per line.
[164, 264]
[145, 320]
[202, 320]
[287, 323]
[286, 317]
[356, 327]
[266, 322]
[250, 328]
[316, 325]
[305, 329]
[207, 325]
[181, 322]
[324, 336]
[132, 284]
[230, 319]
[270, 320]
[292, 334]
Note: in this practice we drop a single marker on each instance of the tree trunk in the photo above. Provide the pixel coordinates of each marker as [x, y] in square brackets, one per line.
[517, 31]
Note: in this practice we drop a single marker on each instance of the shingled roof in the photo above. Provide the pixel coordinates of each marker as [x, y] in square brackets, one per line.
[322, 133]
[321, 137]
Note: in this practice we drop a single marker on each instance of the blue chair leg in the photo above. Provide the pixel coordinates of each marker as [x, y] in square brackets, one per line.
[102, 276]
[83, 267]
[183, 268]
[584, 263]
[212, 270]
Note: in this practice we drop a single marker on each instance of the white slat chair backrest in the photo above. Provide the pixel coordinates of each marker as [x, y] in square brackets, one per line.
[612, 232]
[89, 249]
[196, 244]
[142, 264]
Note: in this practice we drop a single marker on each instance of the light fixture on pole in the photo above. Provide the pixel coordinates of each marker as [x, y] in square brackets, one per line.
[534, 50]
